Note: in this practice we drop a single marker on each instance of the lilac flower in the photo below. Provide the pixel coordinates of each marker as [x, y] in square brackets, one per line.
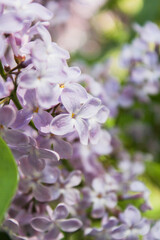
[85, 157]
[62, 147]
[56, 220]
[94, 124]
[103, 195]
[137, 186]
[133, 225]
[5, 87]
[154, 232]
[134, 53]
[3, 46]
[42, 87]
[65, 187]
[31, 110]
[12, 137]
[105, 231]
[10, 23]
[40, 80]
[28, 10]
[33, 180]
[53, 51]
[76, 118]
[149, 33]
[12, 227]
[36, 156]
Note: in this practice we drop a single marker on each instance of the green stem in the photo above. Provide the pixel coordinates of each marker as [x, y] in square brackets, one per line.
[15, 100]
[2, 72]
[32, 125]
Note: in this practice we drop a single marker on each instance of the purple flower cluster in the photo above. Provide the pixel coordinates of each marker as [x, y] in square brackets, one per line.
[53, 125]
[141, 57]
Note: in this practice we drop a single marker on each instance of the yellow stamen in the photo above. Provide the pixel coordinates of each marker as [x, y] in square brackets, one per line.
[61, 85]
[73, 114]
[36, 110]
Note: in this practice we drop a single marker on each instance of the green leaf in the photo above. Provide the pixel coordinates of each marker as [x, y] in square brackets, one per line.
[8, 177]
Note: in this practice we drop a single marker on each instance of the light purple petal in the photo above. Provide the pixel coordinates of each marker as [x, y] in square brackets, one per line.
[49, 175]
[143, 227]
[42, 121]
[15, 138]
[28, 79]
[71, 196]
[25, 185]
[3, 46]
[70, 225]
[55, 193]
[48, 95]
[24, 116]
[111, 222]
[62, 124]
[42, 193]
[29, 98]
[60, 52]
[12, 225]
[37, 51]
[63, 148]
[98, 184]
[41, 224]
[38, 11]
[119, 232]
[61, 211]
[26, 167]
[98, 210]
[94, 133]
[111, 200]
[7, 115]
[73, 72]
[45, 35]
[10, 23]
[131, 216]
[52, 234]
[90, 108]
[137, 186]
[48, 154]
[156, 230]
[74, 179]
[132, 237]
[78, 90]
[70, 100]
[102, 114]
[34, 159]
[82, 129]
[104, 145]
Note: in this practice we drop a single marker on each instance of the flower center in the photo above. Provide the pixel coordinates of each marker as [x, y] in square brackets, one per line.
[61, 85]
[73, 115]
[99, 195]
[36, 110]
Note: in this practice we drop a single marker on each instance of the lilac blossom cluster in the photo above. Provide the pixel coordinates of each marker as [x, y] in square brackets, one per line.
[141, 57]
[52, 124]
